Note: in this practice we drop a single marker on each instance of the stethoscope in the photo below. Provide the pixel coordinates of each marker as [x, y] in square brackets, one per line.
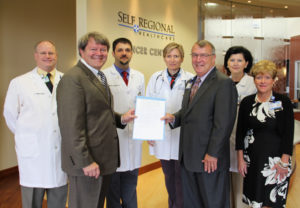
[162, 82]
[161, 77]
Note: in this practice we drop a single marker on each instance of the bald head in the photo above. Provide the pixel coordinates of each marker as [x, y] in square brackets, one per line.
[45, 55]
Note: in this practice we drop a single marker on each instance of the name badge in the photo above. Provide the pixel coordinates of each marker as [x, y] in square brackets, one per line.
[189, 85]
[276, 106]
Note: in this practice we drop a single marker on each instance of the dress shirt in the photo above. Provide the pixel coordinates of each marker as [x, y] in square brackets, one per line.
[95, 71]
[121, 70]
[43, 73]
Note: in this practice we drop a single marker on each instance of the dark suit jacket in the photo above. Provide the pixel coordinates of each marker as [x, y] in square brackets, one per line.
[206, 122]
[87, 123]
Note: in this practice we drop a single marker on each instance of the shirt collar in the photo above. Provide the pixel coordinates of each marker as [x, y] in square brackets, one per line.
[121, 70]
[44, 73]
[205, 75]
[177, 74]
[95, 71]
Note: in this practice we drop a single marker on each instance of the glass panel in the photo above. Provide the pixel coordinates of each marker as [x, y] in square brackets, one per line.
[261, 30]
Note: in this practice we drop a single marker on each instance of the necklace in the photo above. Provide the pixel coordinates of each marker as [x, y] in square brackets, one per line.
[270, 98]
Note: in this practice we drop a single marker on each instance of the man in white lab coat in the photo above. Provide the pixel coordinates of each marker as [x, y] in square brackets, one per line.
[30, 113]
[125, 84]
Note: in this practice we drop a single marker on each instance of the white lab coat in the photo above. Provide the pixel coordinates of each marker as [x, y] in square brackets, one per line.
[245, 87]
[124, 99]
[30, 113]
[159, 87]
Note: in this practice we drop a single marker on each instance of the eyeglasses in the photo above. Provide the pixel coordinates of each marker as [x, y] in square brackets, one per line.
[202, 55]
[47, 53]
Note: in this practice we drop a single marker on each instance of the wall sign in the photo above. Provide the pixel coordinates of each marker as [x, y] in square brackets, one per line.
[147, 28]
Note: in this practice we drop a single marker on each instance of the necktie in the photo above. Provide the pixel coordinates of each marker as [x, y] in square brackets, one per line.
[195, 88]
[173, 77]
[49, 83]
[103, 81]
[124, 73]
[172, 81]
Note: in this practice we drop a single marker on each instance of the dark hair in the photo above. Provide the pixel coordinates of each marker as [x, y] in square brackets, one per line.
[235, 50]
[99, 39]
[121, 40]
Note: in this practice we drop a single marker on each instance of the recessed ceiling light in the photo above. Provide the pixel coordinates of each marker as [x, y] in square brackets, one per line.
[210, 4]
[249, 1]
[286, 7]
[233, 5]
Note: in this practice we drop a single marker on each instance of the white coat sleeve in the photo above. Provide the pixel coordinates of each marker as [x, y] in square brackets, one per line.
[12, 106]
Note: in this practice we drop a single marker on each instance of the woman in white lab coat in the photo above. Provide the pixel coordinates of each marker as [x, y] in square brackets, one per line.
[238, 62]
[170, 84]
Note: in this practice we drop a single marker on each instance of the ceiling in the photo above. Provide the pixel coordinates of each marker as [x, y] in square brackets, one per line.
[256, 8]
[271, 3]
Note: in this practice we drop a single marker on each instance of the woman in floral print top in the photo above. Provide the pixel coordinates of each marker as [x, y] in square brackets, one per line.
[264, 141]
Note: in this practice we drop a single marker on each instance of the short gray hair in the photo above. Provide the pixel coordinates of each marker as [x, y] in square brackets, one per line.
[203, 43]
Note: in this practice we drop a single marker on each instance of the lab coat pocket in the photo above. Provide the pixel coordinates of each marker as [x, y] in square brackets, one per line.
[27, 145]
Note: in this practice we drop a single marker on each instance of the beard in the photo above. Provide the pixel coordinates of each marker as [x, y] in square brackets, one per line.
[124, 62]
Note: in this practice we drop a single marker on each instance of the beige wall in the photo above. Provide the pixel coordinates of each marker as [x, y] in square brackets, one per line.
[22, 24]
[103, 16]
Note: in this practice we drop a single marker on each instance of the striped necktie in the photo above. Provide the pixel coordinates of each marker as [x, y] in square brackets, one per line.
[102, 79]
[195, 88]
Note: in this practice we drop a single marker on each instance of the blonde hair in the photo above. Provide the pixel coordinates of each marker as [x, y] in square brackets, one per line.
[264, 66]
[172, 46]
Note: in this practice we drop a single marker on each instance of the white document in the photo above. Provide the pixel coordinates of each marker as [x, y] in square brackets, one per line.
[147, 125]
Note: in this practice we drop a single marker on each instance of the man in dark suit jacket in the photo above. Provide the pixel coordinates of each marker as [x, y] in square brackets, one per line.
[90, 149]
[206, 121]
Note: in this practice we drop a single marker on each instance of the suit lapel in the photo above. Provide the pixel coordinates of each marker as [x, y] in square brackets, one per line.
[187, 92]
[94, 80]
[204, 86]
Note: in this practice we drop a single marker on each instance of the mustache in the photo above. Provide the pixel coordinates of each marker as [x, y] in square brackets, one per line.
[124, 56]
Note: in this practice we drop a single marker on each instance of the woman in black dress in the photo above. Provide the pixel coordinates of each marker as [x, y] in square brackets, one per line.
[264, 141]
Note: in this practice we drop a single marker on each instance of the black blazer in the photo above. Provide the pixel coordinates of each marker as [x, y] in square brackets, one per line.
[284, 126]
